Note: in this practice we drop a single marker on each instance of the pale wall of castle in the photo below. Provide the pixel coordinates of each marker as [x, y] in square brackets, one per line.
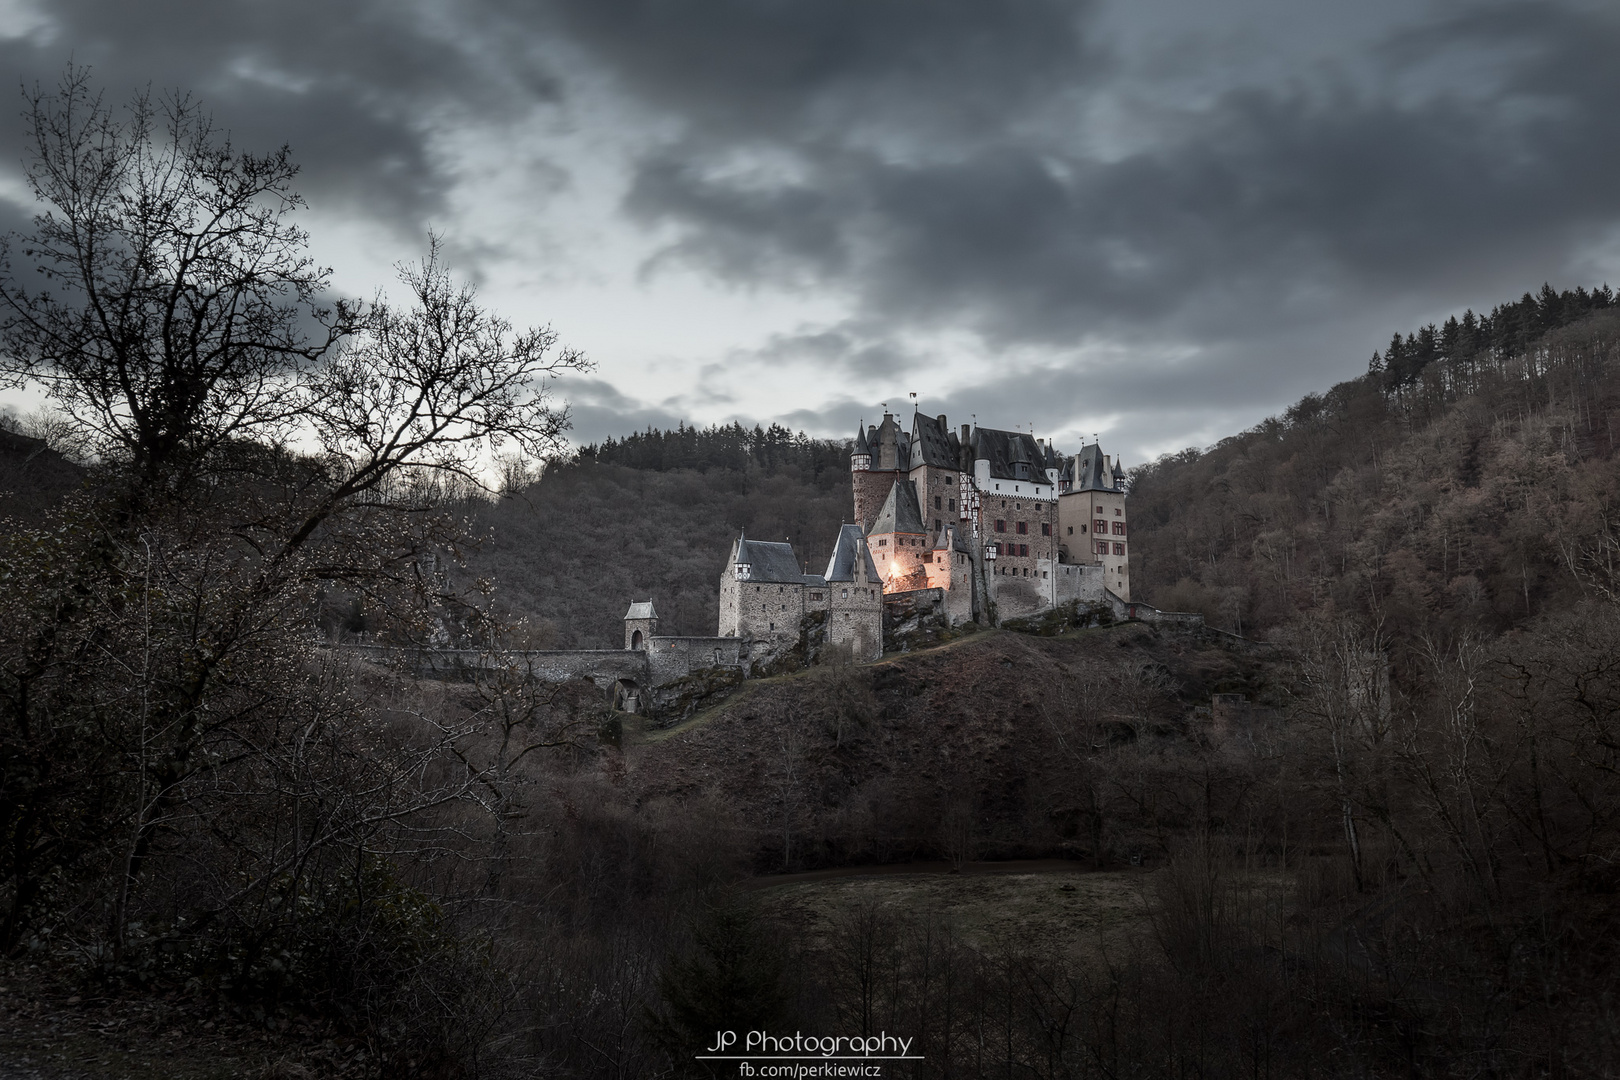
[1079, 515]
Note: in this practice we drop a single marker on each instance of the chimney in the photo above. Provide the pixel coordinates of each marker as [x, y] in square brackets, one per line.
[943, 426]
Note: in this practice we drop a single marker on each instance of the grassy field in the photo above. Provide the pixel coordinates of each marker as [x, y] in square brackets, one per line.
[1085, 914]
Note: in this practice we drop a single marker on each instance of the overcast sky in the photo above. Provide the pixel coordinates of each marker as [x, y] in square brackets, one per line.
[1156, 220]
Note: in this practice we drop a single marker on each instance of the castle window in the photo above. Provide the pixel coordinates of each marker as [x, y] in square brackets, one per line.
[952, 505]
[1071, 529]
[883, 543]
[1119, 549]
[1023, 549]
[1023, 526]
[1102, 526]
[1003, 501]
[1099, 509]
[1118, 512]
[1046, 528]
[1119, 528]
[1102, 547]
[928, 556]
[936, 502]
[1001, 526]
[815, 596]
[1043, 573]
[846, 594]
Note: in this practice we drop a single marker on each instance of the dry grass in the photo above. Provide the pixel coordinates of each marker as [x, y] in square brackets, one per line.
[1079, 914]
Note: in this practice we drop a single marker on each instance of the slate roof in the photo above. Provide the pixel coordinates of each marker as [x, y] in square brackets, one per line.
[641, 611]
[841, 567]
[770, 562]
[951, 539]
[861, 445]
[1013, 455]
[900, 513]
[889, 430]
[1092, 475]
[933, 444]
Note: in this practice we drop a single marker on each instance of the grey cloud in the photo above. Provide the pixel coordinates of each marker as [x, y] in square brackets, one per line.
[599, 409]
[744, 69]
[1268, 204]
[353, 88]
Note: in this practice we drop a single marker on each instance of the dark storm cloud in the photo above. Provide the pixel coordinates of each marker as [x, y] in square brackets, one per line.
[1251, 206]
[784, 68]
[352, 87]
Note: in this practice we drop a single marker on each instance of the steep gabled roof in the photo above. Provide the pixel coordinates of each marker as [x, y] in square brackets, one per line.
[900, 512]
[1092, 475]
[861, 445]
[950, 539]
[641, 611]
[1013, 455]
[770, 562]
[933, 444]
[841, 567]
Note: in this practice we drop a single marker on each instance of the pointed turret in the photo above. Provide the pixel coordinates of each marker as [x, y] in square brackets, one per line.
[860, 460]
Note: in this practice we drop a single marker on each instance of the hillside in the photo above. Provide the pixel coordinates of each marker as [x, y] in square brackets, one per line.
[572, 550]
[1468, 481]
[983, 748]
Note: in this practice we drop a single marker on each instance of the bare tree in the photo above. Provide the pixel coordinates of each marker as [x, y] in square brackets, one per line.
[174, 288]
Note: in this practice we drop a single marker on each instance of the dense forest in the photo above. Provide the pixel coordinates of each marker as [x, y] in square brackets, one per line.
[731, 447]
[570, 552]
[1466, 481]
[653, 516]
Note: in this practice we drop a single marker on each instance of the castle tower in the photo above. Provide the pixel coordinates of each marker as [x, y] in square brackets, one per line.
[640, 624]
[882, 455]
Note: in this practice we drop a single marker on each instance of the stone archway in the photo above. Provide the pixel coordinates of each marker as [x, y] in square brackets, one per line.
[637, 641]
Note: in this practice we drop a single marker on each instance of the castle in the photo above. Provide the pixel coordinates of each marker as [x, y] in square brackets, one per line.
[991, 524]
[979, 525]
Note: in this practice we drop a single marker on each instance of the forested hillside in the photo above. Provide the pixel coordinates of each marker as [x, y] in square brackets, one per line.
[1467, 481]
[653, 516]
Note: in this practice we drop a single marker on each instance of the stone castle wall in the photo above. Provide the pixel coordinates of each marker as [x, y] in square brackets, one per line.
[872, 486]
[765, 610]
[855, 618]
[671, 658]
